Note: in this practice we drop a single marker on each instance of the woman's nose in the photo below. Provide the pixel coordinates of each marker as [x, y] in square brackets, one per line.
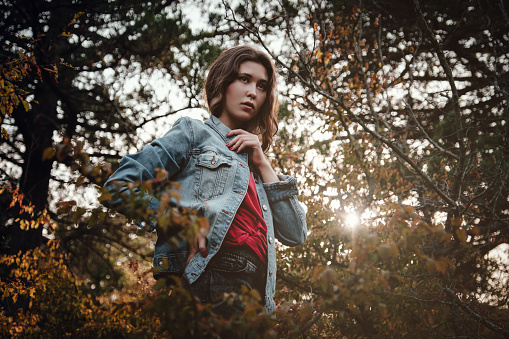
[251, 90]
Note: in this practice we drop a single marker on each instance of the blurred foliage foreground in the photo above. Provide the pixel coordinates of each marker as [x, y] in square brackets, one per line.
[51, 302]
[42, 297]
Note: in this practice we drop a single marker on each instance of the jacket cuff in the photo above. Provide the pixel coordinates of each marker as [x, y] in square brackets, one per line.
[281, 190]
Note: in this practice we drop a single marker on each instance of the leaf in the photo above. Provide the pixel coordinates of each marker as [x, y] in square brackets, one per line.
[161, 283]
[456, 222]
[48, 153]
[442, 264]
[67, 203]
[462, 235]
[80, 181]
[161, 175]
[387, 251]
[430, 265]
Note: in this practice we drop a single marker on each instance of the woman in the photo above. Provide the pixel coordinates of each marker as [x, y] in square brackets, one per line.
[223, 173]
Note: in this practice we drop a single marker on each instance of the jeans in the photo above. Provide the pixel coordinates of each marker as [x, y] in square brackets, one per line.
[229, 270]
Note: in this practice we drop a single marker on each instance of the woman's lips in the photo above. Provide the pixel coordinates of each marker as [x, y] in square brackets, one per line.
[248, 105]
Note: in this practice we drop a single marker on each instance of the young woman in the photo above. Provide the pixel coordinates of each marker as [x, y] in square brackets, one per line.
[223, 173]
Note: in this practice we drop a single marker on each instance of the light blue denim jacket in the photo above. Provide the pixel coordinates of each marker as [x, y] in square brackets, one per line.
[214, 181]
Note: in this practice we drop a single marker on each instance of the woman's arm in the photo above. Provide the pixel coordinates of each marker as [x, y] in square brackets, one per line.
[171, 153]
[289, 217]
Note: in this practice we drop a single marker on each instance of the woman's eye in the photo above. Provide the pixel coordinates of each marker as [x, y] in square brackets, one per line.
[243, 79]
[262, 87]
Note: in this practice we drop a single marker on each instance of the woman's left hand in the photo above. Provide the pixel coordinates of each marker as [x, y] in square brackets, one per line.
[250, 142]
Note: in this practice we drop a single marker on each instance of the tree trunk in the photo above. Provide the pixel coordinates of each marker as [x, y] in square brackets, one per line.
[37, 127]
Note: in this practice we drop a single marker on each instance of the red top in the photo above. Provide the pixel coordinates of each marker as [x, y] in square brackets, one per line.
[248, 227]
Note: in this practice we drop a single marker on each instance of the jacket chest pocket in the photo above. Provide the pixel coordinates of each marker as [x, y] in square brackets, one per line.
[211, 175]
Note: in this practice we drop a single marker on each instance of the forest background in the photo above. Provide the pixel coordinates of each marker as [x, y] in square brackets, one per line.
[394, 120]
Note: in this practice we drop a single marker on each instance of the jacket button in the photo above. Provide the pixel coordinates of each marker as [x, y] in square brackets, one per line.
[270, 273]
[160, 263]
[264, 207]
[270, 240]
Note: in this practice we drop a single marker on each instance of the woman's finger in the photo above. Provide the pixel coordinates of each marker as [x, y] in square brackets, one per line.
[242, 141]
[202, 245]
[199, 245]
[237, 132]
[192, 253]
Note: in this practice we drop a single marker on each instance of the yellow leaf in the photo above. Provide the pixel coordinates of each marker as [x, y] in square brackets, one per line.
[26, 105]
[48, 153]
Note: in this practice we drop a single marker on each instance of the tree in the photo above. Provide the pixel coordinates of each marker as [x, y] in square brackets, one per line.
[412, 100]
[66, 115]
[72, 39]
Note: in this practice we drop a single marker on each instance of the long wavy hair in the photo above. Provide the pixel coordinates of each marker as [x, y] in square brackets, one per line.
[224, 70]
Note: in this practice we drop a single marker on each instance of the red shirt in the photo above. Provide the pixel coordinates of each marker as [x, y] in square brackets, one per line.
[248, 227]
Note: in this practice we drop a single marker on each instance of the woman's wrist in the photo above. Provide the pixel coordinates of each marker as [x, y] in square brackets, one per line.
[267, 173]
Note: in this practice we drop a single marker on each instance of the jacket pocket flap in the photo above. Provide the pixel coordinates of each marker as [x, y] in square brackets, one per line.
[212, 161]
[167, 263]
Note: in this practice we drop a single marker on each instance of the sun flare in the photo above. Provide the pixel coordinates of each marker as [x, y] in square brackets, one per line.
[352, 220]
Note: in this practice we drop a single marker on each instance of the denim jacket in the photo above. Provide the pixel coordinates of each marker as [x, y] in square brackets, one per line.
[214, 181]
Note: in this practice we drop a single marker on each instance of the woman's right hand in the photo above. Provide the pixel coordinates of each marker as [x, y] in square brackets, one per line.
[199, 244]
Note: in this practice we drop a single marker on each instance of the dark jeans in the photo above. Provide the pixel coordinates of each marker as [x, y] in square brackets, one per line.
[229, 270]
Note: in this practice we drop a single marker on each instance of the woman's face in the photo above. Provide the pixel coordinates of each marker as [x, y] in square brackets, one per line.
[245, 96]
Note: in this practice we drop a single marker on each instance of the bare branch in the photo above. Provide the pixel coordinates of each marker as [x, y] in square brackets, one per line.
[455, 99]
[423, 131]
[475, 315]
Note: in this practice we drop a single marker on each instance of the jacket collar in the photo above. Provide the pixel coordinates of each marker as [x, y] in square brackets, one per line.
[221, 129]
[218, 126]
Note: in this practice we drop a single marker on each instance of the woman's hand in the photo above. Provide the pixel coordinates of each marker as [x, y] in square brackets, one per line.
[251, 143]
[199, 244]
[245, 140]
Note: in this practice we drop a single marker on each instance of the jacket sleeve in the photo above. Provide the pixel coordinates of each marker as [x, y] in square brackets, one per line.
[171, 153]
[289, 217]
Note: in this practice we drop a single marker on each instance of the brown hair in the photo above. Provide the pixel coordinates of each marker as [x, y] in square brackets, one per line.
[224, 70]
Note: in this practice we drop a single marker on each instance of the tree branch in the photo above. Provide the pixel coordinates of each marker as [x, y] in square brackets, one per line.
[475, 315]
